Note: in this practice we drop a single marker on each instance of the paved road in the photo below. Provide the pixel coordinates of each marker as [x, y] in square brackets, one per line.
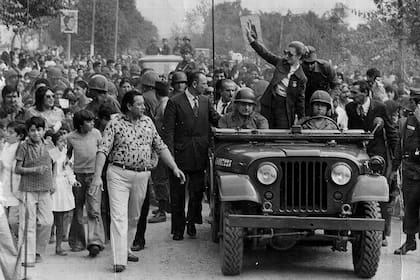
[198, 259]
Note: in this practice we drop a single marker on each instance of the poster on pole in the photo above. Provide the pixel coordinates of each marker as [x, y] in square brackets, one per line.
[253, 21]
[68, 21]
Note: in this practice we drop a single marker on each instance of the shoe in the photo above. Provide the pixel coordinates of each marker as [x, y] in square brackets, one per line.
[191, 231]
[407, 246]
[38, 258]
[77, 249]
[160, 217]
[137, 247]
[60, 252]
[31, 264]
[384, 242]
[94, 250]
[118, 268]
[132, 258]
[178, 236]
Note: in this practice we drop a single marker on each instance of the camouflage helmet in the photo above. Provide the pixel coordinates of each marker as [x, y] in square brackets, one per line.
[245, 95]
[150, 78]
[98, 82]
[179, 77]
[322, 97]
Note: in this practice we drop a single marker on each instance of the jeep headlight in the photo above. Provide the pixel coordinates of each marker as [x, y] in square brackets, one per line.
[341, 173]
[267, 173]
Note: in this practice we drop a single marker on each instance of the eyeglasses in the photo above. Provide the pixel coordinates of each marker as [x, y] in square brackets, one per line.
[288, 53]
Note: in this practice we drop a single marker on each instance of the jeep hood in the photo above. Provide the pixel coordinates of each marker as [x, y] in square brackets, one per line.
[243, 154]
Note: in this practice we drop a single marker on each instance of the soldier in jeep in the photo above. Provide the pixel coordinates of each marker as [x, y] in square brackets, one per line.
[320, 104]
[243, 114]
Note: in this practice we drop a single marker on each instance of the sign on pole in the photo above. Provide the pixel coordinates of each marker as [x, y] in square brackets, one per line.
[253, 21]
[68, 21]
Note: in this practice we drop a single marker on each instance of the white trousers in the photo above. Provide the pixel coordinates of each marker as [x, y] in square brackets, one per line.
[127, 190]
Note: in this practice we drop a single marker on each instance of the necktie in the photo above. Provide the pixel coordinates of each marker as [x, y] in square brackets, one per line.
[360, 111]
[224, 105]
[195, 108]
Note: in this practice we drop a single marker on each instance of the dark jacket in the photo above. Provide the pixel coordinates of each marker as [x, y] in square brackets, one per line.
[295, 98]
[322, 77]
[187, 136]
[407, 149]
[377, 146]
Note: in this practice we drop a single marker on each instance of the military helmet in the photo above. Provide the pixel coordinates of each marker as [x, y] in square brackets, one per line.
[150, 78]
[179, 77]
[98, 82]
[245, 95]
[322, 97]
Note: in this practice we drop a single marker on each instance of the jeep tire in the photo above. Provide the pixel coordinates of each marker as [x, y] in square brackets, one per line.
[366, 247]
[231, 243]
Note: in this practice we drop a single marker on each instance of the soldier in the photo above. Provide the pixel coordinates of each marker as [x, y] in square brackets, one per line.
[187, 47]
[244, 115]
[321, 75]
[148, 83]
[178, 82]
[320, 106]
[408, 153]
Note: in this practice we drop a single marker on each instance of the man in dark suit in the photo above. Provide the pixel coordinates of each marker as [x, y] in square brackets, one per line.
[186, 131]
[366, 113]
[370, 115]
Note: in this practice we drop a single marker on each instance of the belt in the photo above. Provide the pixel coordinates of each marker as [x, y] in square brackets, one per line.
[136, 169]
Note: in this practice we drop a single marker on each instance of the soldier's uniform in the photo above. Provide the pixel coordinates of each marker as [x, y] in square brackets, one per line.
[234, 120]
[408, 154]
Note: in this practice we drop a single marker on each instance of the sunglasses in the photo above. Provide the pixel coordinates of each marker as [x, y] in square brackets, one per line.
[288, 53]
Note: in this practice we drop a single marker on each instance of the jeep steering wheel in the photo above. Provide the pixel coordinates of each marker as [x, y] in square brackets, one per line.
[321, 117]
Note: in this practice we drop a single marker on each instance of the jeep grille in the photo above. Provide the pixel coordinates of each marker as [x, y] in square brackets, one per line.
[303, 187]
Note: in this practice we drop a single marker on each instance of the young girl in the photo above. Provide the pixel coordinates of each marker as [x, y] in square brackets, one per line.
[15, 133]
[63, 199]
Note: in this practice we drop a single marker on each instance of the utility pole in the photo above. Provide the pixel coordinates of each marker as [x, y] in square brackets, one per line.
[92, 38]
[116, 32]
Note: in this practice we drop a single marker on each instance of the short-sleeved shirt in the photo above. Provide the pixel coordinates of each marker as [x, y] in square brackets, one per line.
[33, 155]
[52, 117]
[234, 120]
[84, 148]
[132, 144]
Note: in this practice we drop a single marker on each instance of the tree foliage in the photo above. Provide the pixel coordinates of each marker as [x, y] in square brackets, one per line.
[134, 31]
[24, 13]
[375, 43]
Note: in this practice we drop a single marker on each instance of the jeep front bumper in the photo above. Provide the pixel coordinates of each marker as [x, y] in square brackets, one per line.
[309, 223]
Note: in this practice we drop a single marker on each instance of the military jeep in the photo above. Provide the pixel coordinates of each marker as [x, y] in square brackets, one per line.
[278, 188]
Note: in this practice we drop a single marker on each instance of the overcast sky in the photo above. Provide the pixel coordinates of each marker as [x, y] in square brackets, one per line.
[165, 13]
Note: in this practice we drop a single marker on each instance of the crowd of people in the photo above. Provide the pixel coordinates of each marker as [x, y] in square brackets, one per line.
[113, 136]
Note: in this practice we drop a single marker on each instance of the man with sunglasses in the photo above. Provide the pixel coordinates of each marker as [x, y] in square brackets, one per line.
[284, 98]
[321, 75]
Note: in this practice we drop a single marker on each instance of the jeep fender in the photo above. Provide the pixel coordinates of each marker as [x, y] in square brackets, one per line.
[236, 187]
[370, 188]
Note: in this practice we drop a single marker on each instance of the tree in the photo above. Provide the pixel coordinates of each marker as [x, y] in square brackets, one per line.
[24, 13]
[134, 32]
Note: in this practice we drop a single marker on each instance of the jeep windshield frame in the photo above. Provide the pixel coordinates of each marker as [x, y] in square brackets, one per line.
[247, 135]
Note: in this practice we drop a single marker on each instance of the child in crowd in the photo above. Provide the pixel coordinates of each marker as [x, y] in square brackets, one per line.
[82, 144]
[35, 165]
[63, 199]
[15, 133]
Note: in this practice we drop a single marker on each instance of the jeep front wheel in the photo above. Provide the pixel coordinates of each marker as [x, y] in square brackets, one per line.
[231, 243]
[366, 248]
